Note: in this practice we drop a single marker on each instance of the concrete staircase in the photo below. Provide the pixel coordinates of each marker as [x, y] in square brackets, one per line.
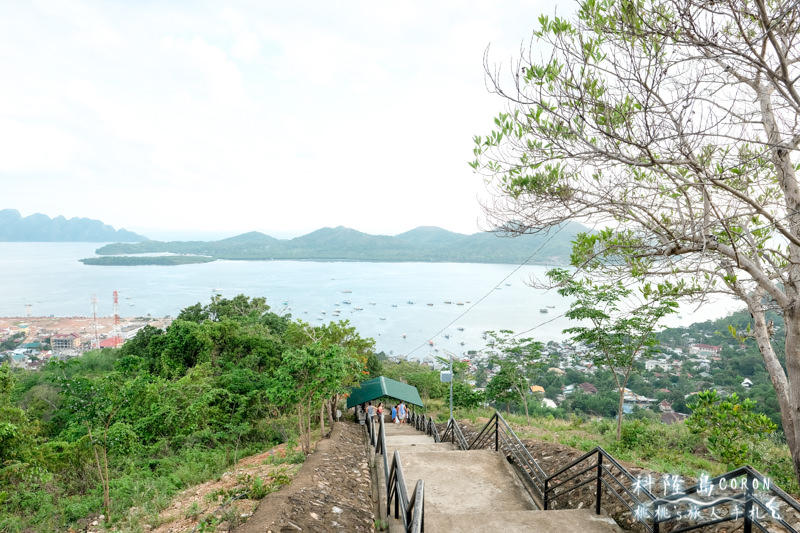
[475, 490]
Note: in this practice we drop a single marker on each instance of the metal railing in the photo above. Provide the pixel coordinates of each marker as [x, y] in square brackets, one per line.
[498, 435]
[452, 433]
[410, 510]
[743, 496]
[426, 425]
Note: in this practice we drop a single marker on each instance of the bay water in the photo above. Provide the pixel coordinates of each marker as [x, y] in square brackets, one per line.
[416, 309]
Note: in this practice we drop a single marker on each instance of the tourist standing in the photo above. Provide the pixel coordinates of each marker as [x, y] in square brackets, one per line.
[394, 415]
[402, 412]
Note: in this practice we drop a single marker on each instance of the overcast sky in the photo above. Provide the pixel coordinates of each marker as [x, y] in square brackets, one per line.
[172, 118]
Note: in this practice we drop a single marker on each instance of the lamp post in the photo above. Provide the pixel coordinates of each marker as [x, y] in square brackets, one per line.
[450, 354]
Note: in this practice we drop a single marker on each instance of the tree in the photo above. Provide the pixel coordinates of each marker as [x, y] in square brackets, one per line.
[517, 358]
[729, 425]
[307, 377]
[340, 334]
[672, 125]
[619, 335]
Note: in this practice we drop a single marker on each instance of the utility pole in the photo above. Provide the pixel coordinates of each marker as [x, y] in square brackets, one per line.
[450, 354]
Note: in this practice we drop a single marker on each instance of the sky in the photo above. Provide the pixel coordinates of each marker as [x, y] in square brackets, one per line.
[184, 119]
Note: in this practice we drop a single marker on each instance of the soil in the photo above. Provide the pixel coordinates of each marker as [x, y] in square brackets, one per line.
[329, 492]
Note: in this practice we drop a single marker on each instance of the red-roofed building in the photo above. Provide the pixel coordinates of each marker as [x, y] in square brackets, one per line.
[705, 349]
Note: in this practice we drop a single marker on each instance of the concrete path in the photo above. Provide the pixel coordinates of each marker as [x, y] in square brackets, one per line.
[475, 490]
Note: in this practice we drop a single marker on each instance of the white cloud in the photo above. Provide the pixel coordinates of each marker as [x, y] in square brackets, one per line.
[251, 115]
[28, 148]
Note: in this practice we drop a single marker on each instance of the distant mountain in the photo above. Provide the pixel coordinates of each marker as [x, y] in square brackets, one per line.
[428, 244]
[41, 228]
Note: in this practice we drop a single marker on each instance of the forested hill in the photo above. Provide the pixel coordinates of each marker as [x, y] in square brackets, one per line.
[41, 228]
[429, 244]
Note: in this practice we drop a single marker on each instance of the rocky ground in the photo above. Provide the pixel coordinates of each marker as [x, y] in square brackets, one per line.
[331, 493]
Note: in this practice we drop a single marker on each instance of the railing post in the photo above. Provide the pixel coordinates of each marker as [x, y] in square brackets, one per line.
[748, 504]
[544, 494]
[599, 481]
[496, 433]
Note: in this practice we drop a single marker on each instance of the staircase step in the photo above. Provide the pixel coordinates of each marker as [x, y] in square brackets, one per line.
[469, 481]
[562, 521]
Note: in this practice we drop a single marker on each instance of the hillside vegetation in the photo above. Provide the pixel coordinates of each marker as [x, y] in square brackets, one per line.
[123, 429]
[427, 244]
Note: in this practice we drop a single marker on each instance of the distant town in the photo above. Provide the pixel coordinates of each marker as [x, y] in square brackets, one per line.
[30, 342]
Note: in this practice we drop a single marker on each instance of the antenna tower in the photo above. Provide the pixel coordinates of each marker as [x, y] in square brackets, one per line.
[117, 339]
[96, 340]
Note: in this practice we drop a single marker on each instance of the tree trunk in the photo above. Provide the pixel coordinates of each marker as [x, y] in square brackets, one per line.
[322, 420]
[619, 412]
[784, 384]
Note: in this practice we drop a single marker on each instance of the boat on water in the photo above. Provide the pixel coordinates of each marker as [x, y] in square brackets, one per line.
[459, 303]
[448, 302]
[460, 328]
[346, 291]
[551, 306]
[431, 305]
[543, 310]
[346, 302]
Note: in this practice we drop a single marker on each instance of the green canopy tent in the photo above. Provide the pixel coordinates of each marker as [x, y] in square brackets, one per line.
[380, 387]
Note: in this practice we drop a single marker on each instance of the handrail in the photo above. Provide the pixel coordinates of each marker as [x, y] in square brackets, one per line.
[729, 498]
[425, 424]
[411, 511]
[506, 440]
[453, 432]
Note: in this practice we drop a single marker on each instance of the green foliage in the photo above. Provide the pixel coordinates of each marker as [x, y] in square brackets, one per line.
[619, 330]
[730, 426]
[169, 409]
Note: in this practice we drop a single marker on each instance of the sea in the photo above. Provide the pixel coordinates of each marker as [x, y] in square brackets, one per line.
[418, 310]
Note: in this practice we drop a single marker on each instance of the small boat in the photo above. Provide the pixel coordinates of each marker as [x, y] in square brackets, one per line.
[543, 310]
[551, 306]
[346, 302]
[358, 309]
[448, 302]
[394, 305]
[404, 335]
[346, 291]
[460, 328]
[410, 302]
[382, 318]
[431, 305]
[459, 303]
[372, 303]
[430, 343]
